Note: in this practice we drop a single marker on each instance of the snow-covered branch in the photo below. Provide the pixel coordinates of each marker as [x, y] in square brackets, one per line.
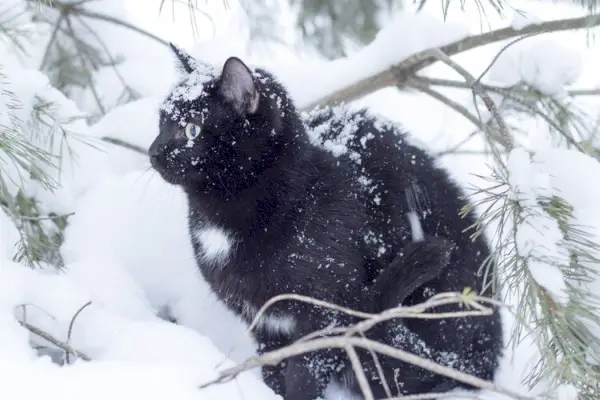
[398, 73]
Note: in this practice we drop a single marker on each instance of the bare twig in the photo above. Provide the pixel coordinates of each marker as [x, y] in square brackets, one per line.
[123, 143]
[82, 57]
[275, 357]
[502, 50]
[363, 382]
[70, 331]
[55, 31]
[505, 136]
[379, 368]
[459, 108]
[61, 345]
[416, 311]
[370, 320]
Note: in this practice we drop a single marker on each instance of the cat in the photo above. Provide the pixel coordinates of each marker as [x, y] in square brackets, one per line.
[313, 205]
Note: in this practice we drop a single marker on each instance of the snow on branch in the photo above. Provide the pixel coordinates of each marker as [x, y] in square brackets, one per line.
[399, 71]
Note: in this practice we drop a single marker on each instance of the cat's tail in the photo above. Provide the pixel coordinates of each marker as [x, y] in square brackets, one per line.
[416, 264]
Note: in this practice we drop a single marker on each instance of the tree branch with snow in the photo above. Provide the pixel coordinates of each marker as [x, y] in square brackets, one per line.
[397, 73]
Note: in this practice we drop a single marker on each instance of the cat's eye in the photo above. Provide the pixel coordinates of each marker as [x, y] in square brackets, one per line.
[192, 131]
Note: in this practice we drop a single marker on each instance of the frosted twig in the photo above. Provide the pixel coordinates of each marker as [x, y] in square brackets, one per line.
[70, 331]
[309, 300]
[379, 369]
[274, 357]
[370, 320]
[61, 345]
[363, 382]
[409, 66]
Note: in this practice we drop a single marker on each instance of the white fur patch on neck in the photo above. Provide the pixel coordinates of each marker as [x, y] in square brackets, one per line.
[215, 244]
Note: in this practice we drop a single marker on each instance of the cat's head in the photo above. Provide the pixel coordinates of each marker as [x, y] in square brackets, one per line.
[222, 126]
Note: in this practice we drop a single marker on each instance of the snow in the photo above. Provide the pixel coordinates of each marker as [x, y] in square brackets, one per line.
[127, 249]
[566, 392]
[527, 60]
[522, 20]
[139, 356]
[416, 32]
[538, 236]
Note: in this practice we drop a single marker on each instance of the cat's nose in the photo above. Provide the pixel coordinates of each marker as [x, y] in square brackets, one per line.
[154, 150]
[157, 147]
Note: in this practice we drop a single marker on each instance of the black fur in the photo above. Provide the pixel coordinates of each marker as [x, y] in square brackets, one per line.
[418, 264]
[302, 220]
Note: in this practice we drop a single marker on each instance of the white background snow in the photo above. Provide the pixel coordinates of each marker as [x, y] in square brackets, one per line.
[127, 248]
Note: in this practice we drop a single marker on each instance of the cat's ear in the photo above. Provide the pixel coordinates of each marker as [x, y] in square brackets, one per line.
[237, 86]
[186, 61]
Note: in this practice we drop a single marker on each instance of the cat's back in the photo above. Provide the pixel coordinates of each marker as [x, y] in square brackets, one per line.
[396, 173]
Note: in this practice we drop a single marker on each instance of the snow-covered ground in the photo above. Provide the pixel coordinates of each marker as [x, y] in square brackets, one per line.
[126, 248]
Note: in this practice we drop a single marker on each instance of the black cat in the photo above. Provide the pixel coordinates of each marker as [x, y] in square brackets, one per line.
[271, 211]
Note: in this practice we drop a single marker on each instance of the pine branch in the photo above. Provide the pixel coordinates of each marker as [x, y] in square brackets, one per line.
[76, 9]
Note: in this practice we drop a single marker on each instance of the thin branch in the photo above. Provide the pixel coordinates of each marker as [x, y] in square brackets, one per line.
[462, 110]
[53, 36]
[123, 143]
[399, 72]
[70, 331]
[451, 83]
[116, 21]
[81, 54]
[363, 382]
[505, 136]
[275, 357]
[584, 92]
[61, 345]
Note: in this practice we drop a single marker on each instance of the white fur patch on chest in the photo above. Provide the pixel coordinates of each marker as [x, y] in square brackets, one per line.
[215, 244]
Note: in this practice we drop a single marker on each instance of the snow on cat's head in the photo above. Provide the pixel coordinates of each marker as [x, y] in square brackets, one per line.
[220, 127]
